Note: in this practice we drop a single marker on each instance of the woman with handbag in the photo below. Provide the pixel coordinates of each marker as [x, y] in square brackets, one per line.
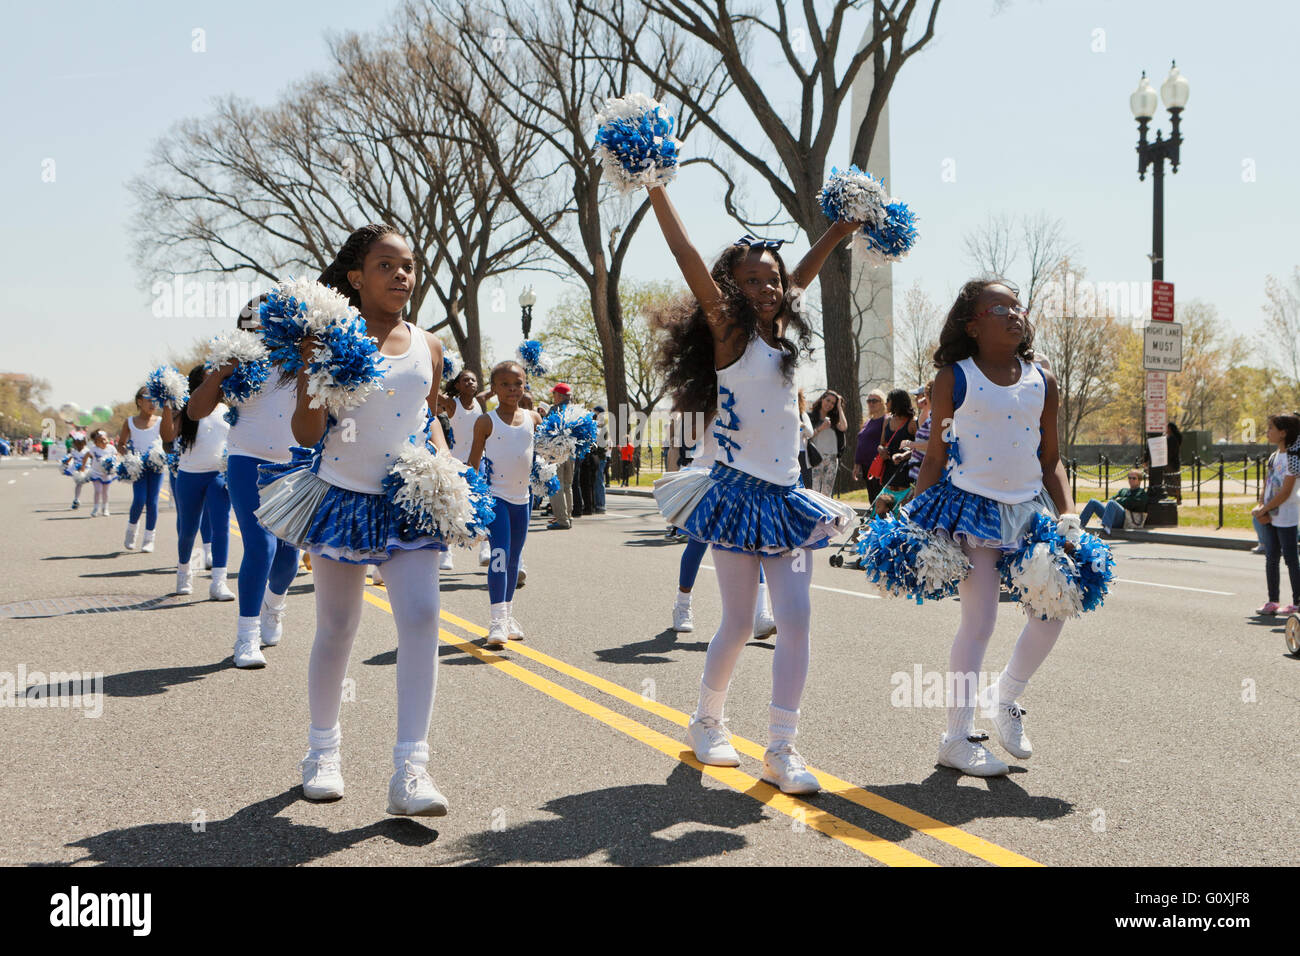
[829, 426]
[894, 460]
[864, 460]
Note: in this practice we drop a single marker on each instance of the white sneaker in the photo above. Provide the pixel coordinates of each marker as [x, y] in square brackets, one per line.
[444, 563]
[106, 513]
[184, 579]
[969, 755]
[207, 557]
[764, 624]
[485, 554]
[513, 630]
[218, 590]
[785, 769]
[248, 653]
[272, 623]
[148, 542]
[683, 618]
[94, 511]
[498, 633]
[129, 541]
[711, 742]
[411, 793]
[1011, 731]
[322, 776]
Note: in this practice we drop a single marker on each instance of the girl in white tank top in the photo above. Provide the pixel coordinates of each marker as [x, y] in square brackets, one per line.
[139, 438]
[463, 388]
[503, 450]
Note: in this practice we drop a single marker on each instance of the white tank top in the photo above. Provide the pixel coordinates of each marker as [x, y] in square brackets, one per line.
[510, 449]
[362, 445]
[97, 456]
[998, 432]
[757, 428]
[462, 427]
[264, 424]
[205, 453]
[79, 457]
[705, 451]
[142, 438]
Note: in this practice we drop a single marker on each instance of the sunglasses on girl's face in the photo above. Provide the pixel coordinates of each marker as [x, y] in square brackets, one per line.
[1019, 310]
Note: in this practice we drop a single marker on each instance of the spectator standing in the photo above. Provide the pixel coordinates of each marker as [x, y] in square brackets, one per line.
[829, 427]
[869, 440]
[805, 433]
[627, 453]
[919, 444]
[562, 500]
[900, 426]
[1279, 512]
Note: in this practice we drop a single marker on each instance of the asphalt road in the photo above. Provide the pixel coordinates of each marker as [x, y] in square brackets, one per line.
[1163, 724]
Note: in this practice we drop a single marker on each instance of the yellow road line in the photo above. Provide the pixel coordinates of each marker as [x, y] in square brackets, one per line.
[847, 833]
[954, 836]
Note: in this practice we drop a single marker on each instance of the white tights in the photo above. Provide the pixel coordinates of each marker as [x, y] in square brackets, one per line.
[101, 494]
[789, 578]
[979, 612]
[411, 578]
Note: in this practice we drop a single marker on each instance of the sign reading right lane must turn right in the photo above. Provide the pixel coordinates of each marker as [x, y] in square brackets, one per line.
[1163, 347]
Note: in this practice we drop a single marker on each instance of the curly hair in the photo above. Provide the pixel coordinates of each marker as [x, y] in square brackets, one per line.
[351, 257]
[685, 356]
[955, 343]
[450, 389]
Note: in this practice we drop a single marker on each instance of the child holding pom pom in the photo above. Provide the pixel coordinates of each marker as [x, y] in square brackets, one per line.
[103, 468]
[138, 434]
[503, 450]
[990, 471]
[330, 501]
[726, 350]
[464, 404]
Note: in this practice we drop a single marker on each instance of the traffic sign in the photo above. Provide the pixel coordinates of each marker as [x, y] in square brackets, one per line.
[1157, 389]
[1162, 301]
[1157, 417]
[1163, 347]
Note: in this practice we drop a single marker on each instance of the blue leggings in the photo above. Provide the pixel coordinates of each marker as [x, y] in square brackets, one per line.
[205, 526]
[144, 497]
[202, 492]
[506, 532]
[267, 560]
[690, 567]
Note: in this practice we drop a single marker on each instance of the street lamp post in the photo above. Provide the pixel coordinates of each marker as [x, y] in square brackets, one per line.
[1153, 154]
[527, 299]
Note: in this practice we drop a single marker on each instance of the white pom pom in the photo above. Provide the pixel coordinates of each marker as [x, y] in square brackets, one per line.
[235, 345]
[1043, 587]
[322, 305]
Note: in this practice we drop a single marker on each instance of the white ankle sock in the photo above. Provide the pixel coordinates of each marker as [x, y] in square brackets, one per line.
[1010, 689]
[272, 600]
[320, 742]
[782, 725]
[683, 598]
[711, 702]
[501, 611]
[248, 627]
[417, 752]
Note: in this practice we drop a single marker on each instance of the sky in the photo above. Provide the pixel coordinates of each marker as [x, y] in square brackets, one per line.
[1016, 107]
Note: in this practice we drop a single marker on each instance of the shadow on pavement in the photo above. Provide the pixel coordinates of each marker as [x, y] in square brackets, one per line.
[135, 572]
[653, 538]
[389, 658]
[82, 557]
[138, 683]
[622, 822]
[939, 796]
[254, 836]
[645, 652]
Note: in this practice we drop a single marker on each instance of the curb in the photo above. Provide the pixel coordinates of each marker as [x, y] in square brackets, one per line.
[1188, 540]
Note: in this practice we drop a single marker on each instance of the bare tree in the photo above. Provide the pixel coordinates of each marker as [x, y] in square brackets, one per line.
[1279, 344]
[1032, 246]
[916, 335]
[822, 82]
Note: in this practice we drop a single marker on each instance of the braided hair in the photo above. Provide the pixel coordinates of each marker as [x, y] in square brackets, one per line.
[954, 342]
[189, 427]
[351, 257]
[685, 357]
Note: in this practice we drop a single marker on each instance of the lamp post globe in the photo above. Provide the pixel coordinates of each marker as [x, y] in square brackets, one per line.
[1175, 89]
[527, 299]
[1143, 101]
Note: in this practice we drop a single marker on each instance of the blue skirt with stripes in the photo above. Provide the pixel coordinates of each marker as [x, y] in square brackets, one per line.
[978, 521]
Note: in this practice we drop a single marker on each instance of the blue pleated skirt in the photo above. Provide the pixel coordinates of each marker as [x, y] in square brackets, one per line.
[735, 511]
[975, 520]
[305, 510]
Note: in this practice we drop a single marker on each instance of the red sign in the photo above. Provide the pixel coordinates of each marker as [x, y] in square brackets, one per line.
[1162, 301]
[1157, 417]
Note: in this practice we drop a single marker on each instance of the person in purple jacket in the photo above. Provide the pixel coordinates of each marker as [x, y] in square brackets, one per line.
[869, 440]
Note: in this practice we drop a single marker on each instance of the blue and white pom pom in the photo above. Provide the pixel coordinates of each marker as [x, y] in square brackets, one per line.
[1050, 583]
[543, 482]
[634, 143]
[232, 416]
[435, 494]
[568, 431]
[534, 358]
[107, 465]
[452, 363]
[155, 458]
[904, 559]
[253, 368]
[295, 309]
[167, 388]
[66, 462]
[130, 468]
[345, 367]
[173, 463]
[888, 226]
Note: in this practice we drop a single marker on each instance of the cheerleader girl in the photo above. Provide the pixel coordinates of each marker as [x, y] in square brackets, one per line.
[260, 435]
[463, 405]
[75, 465]
[350, 523]
[502, 449]
[102, 465]
[727, 347]
[990, 469]
[138, 433]
[200, 489]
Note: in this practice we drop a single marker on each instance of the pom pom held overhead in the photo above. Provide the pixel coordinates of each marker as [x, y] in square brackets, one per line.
[167, 388]
[253, 363]
[634, 143]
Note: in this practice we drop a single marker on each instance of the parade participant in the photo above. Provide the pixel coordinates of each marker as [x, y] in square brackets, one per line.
[103, 467]
[502, 449]
[200, 488]
[727, 348]
[995, 412]
[463, 405]
[76, 466]
[138, 434]
[332, 503]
